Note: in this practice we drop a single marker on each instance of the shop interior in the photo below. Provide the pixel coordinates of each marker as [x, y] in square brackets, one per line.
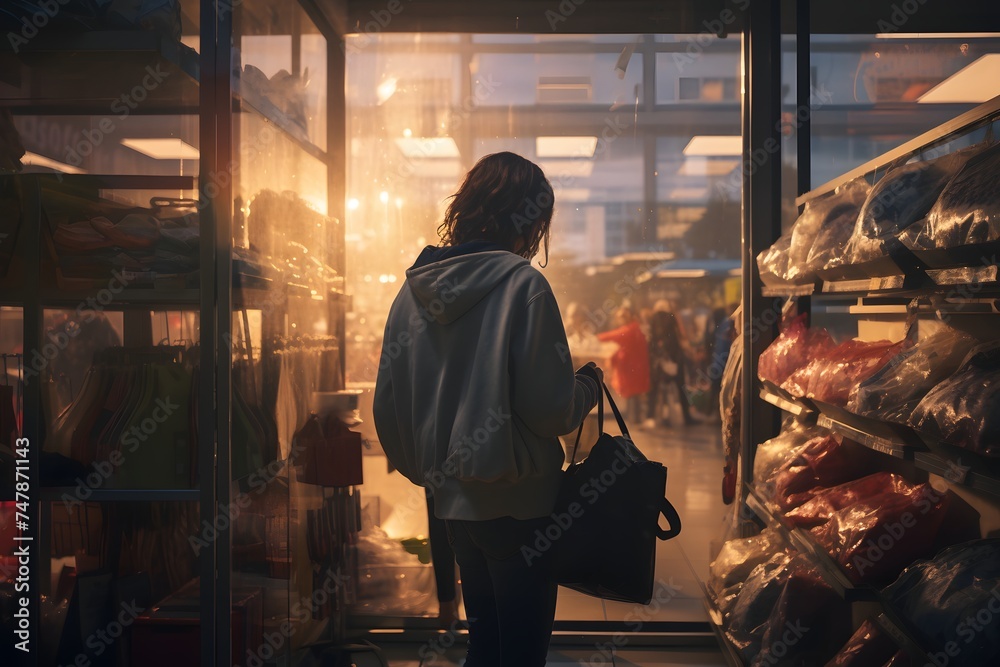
[207, 209]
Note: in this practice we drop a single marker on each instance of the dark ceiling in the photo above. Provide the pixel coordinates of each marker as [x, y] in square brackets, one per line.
[660, 16]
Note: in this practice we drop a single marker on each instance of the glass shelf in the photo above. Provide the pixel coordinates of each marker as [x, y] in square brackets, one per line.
[100, 72]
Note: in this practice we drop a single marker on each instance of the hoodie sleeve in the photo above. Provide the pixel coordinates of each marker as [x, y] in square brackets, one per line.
[545, 392]
[387, 426]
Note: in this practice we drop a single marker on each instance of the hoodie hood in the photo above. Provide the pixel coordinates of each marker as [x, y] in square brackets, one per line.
[449, 288]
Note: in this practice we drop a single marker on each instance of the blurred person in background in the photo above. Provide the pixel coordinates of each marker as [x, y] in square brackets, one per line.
[630, 363]
[723, 334]
[666, 366]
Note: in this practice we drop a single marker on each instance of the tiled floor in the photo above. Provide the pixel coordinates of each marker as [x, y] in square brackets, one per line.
[693, 456]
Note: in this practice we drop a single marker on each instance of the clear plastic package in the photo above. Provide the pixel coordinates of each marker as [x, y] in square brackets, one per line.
[739, 557]
[830, 377]
[902, 197]
[873, 540]
[964, 409]
[839, 221]
[808, 623]
[823, 462]
[953, 599]
[867, 647]
[893, 392]
[794, 347]
[825, 502]
[772, 454]
[968, 209]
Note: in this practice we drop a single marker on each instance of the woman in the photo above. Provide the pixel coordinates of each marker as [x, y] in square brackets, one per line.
[630, 364]
[666, 355]
[474, 387]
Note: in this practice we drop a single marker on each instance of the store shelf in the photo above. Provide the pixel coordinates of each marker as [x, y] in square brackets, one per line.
[60, 494]
[12, 297]
[955, 471]
[250, 101]
[883, 445]
[828, 568]
[893, 626]
[130, 298]
[788, 405]
[788, 290]
[729, 652]
[87, 73]
[119, 181]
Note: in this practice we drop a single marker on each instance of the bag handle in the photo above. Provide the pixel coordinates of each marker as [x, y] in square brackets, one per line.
[672, 517]
[600, 420]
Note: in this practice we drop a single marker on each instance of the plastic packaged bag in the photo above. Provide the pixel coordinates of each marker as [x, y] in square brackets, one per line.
[807, 625]
[825, 502]
[830, 377]
[964, 410]
[873, 540]
[902, 197]
[788, 259]
[968, 210]
[738, 558]
[823, 462]
[954, 599]
[772, 454]
[893, 392]
[747, 620]
[773, 262]
[867, 647]
[794, 347]
[839, 221]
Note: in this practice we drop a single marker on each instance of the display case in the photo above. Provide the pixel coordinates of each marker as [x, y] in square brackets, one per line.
[868, 476]
[171, 309]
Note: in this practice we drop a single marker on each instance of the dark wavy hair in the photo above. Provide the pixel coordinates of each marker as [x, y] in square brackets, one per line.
[504, 199]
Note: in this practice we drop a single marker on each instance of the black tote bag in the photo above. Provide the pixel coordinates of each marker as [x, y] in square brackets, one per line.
[605, 523]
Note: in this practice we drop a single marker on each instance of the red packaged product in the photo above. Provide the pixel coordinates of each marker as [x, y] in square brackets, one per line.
[823, 462]
[867, 647]
[874, 540]
[807, 624]
[831, 376]
[794, 347]
[824, 502]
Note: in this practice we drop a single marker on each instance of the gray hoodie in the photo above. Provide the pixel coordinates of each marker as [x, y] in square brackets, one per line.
[475, 383]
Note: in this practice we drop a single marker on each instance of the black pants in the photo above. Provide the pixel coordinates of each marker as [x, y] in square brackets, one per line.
[659, 383]
[510, 603]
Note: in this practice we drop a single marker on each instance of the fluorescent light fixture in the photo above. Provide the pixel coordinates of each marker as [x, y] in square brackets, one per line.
[567, 168]
[565, 146]
[600, 268]
[563, 89]
[428, 147]
[35, 160]
[976, 82]
[163, 149]
[937, 35]
[688, 194]
[709, 145]
[702, 166]
[736, 272]
[682, 273]
[665, 256]
[572, 194]
[353, 204]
